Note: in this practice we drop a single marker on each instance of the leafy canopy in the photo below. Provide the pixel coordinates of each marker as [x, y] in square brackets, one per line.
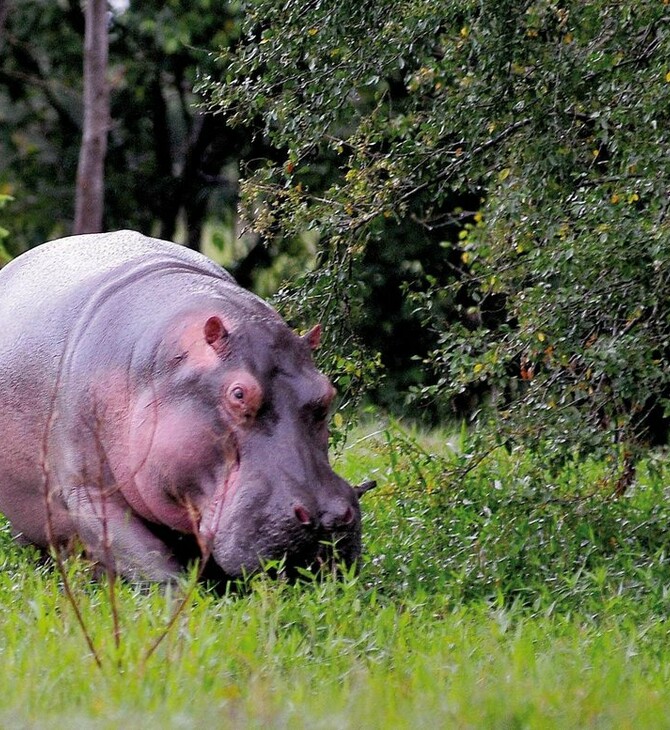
[554, 115]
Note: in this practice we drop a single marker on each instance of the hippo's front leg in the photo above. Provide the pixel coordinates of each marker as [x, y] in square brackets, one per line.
[117, 538]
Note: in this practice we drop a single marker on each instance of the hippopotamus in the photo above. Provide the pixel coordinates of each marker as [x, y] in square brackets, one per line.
[148, 402]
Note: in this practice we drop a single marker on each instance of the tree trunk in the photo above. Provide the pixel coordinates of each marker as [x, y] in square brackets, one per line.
[91, 169]
[4, 12]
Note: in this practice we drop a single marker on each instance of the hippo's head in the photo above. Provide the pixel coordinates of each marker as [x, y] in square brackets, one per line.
[279, 498]
[239, 446]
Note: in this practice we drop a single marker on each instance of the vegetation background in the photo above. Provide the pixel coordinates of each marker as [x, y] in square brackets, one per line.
[473, 198]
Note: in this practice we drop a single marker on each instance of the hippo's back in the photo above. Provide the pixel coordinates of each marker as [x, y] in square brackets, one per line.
[48, 272]
[49, 291]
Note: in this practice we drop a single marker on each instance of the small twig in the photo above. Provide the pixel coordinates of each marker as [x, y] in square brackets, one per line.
[205, 551]
[46, 475]
[449, 171]
[361, 489]
[106, 541]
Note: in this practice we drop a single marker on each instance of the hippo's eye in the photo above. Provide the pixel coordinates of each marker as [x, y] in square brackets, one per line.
[237, 393]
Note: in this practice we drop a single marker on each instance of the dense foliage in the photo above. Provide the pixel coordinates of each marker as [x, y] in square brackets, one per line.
[539, 130]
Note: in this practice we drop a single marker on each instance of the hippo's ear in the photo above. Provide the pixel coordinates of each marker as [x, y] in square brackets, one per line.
[215, 333]
[313, 337]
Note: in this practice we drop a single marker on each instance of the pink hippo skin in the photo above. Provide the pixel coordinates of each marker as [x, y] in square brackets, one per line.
[150, 405]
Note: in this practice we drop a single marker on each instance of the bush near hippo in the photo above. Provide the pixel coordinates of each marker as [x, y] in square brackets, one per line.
[485, 600]
[553, 118]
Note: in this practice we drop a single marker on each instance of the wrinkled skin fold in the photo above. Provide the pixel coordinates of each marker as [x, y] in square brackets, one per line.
[152, 410]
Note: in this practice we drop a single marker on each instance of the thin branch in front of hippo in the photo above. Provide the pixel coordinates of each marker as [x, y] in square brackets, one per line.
[205, 552]
[103, 462]
[55, 552]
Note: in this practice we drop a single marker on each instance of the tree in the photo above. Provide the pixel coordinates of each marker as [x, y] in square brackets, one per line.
[91, 169]
[168, 167]
[553, 117]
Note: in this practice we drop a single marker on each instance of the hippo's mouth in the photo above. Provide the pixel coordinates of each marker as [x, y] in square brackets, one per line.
[314, 553]
[300, 554]
[333, 555]
[304, 551]
[330, 557]
[294, 556]
[314, 559]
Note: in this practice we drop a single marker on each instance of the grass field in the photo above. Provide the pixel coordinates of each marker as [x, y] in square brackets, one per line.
[494, 593]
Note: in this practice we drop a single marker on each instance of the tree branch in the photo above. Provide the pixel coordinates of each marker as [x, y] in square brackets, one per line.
[450, 170]
[33, 76]
[90, 172]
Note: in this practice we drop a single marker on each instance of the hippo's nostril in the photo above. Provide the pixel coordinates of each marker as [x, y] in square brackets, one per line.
[334, 521]
[303, 515]
[348, 516]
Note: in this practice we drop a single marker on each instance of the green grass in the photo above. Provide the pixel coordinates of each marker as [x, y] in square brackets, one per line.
[503, 596]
